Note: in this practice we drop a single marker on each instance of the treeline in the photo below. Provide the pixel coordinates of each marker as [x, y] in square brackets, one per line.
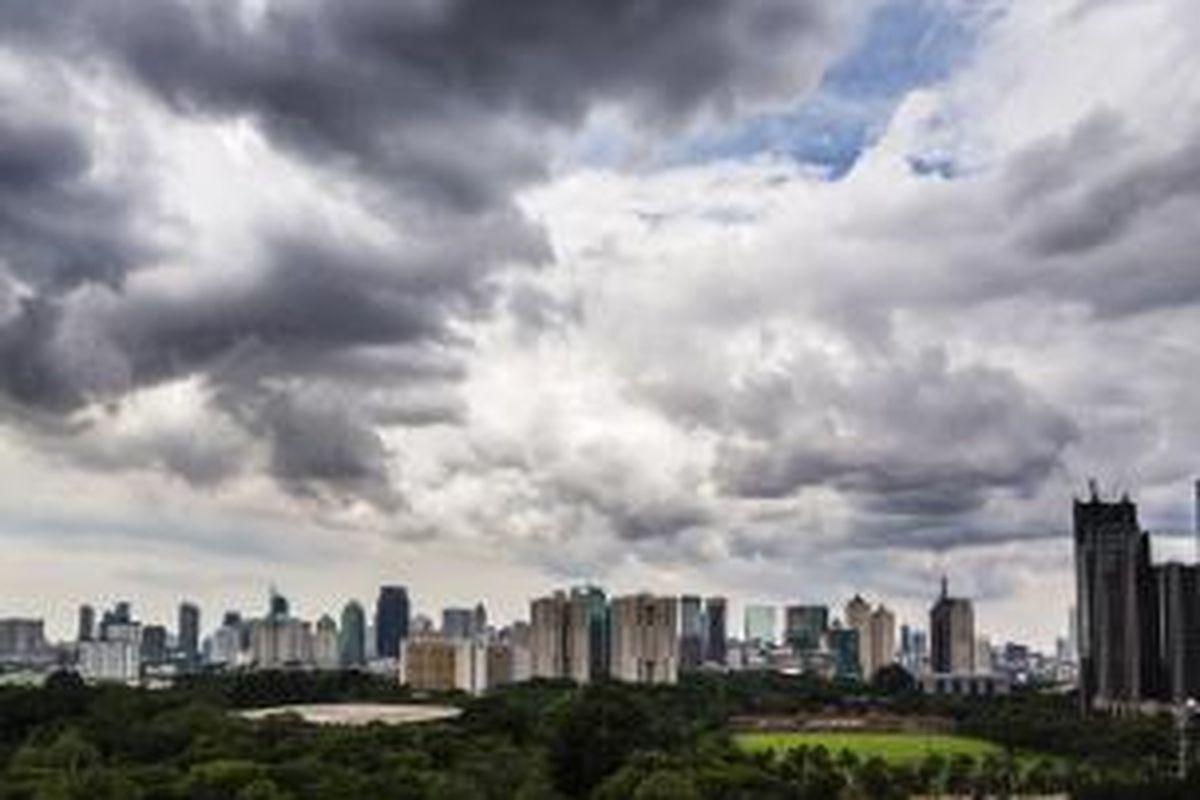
[541, 741]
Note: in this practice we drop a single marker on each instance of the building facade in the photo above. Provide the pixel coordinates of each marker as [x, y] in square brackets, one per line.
[645, 639]
[391, 621]
[952, 634]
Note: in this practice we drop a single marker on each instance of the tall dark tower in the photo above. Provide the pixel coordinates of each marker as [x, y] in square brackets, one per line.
[391, 621]
[1115, 600]
[189, 633]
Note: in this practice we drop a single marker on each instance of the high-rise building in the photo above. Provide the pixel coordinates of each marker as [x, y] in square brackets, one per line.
[952, 628]
[325, 644]
[353, 638]
[548, 620]
[1177, 599]
[110, 660]
[227, 641]
[154, 645]
[277, 642]
[22, 641]
[843, 646]
[391, 621]
[716, 630]
[645, 639]
[480, 624]
[458, 623]
[804, 627]
[760, 625]
[912, 649]
[882, 641]
[569, 635]
[437, 664]
[278, 605]
[691, 632]
[1115, 600]
[189, 633]
[87, 623]
[587, 645]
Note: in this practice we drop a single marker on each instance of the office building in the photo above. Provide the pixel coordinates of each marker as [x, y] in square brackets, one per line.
[87, 624]
[691, 632]
[352, 641]
[804, 627]
[952, 631]
[189, 633]
[458, 623]
[154, 645]
[843, 647]
[587, 635]
[228, 641]
[881, 641]
[391, 621]
[1115, 600]
[716, 630]
[1177, 600]
[325, 644]
[645, 640]
[22, 641]
[760, 625]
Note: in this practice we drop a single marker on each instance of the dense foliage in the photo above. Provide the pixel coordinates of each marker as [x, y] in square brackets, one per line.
[544, 740]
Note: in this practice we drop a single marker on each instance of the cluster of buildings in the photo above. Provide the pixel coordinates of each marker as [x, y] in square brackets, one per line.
[1138, 623]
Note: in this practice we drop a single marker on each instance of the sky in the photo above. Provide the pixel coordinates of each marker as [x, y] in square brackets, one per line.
[777, 299]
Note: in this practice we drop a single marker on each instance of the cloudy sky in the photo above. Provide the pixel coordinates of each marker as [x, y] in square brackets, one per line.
[783, 299]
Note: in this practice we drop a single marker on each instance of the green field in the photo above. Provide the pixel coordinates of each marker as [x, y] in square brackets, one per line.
[892, 747]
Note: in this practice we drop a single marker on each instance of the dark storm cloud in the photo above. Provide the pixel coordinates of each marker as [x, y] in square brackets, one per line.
[915, 442]
[58, 227]
[447, 107]
[427, 93]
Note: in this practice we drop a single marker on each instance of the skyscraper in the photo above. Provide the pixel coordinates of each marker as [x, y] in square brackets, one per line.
[691, 632]
[154, 644]
[458, 623]
[858, 618]
[952, 629]
[189, 633]
[352, 640]
[645, 639]
[587, 647]
[716, 634]
[760, 625]
[87, 623]
[325, 644]
[804, 627]
[548, 635]
[1115, 601]
[882, 640]
[1177, 599]
[391, 621]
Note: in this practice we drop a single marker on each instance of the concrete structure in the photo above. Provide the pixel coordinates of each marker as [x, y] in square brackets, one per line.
[326, 653]
[437, 664]
[391, 621]
[110, 660]
[154, 645]
[352, 641]
[952, 630]
[227, 645]
[844, 648]
[965, 684]
[22, 641]
[278, 642]
[645, 641]
[881, 641]
[548, 635]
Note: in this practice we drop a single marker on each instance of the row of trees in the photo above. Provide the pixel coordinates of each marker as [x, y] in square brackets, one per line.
[542, 741]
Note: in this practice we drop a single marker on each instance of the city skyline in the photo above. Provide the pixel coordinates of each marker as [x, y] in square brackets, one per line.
[777, 300]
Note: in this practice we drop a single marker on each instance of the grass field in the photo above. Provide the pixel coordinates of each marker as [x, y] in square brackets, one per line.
[892, 747]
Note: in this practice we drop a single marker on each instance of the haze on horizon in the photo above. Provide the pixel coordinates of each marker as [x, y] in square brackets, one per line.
[780, 299]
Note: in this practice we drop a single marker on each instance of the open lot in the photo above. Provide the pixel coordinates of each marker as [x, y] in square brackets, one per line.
[892, 747]
[358, 713]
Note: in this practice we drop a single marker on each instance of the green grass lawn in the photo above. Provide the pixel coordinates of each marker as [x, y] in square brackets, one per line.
[892, 747]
